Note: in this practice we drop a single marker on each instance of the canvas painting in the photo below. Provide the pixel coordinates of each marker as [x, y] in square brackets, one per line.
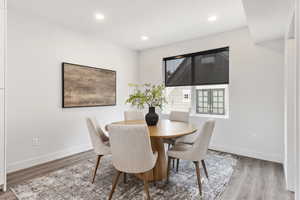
[85, 86]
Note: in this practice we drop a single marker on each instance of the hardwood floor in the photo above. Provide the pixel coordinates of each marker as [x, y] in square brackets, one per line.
[252, 180]
[257, 180]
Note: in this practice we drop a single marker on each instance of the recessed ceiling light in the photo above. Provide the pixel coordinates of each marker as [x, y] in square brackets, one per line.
[144, 38]
[212, 18]
[99, 16]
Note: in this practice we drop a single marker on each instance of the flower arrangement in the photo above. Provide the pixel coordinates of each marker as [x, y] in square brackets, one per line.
[150, 95]
[147, 94]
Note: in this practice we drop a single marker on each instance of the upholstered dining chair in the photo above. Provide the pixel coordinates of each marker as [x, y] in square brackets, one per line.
[103, 133]
[131, 152]
[99, 141]
[134, 115]
[180, 116]
[196, 152]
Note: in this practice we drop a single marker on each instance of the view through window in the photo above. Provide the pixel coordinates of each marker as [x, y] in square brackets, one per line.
[179, 98]
[207, 100]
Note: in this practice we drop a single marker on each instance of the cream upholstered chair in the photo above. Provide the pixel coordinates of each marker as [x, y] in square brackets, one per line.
[131, 151]
[195, 152]
[177, 116]
[180, 116]
[134, 115]
[100, 131]
[99, 142]
[183, 117]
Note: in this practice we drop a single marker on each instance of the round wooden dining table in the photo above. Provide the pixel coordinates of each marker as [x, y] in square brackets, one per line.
[165, 129]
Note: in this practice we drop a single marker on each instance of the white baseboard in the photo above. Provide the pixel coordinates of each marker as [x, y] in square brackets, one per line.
[290, 187]
[12, 167]
[289, 180]
[248, 153]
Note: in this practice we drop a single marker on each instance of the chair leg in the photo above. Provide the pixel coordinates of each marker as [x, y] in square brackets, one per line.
[125, 178]
[96, 167]
[177, 165]
[115, 182]
[173, 163]
[205, 168]
[146, 189]
[198, 177]
[168, 169]
[154, 183]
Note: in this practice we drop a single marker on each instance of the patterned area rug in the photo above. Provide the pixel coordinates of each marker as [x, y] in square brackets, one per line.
[74, 182]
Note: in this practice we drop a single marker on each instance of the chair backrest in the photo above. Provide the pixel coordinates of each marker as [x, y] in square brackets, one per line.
[179, 116]
[131, 148]
[99, 129]
[97, 142]
[133, 115]
[200, 147]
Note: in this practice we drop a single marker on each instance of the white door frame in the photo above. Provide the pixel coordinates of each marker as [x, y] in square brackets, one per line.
[297, 25]
[3, 7]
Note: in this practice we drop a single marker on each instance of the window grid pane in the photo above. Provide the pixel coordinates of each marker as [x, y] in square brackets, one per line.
[210, 101]
[203, 101]
[218, 104]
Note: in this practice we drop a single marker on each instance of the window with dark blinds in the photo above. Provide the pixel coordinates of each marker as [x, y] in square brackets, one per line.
[202, 68]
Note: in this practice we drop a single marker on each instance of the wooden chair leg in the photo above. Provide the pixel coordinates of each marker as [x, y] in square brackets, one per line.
[173, 163]
[146, 189]
[115, 182]
[154, 183]
[177, 165]
[125, 178]
[168, 169]
[205, 168]
[198, 177]
[96, 167]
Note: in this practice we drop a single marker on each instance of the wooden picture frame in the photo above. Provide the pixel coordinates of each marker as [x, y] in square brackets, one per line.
[85, 86]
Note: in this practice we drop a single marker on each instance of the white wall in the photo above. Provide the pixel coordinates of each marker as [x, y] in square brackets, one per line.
[255, 124]
[36, 50]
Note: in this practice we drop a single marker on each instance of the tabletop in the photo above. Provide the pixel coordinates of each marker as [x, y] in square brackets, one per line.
[165, 128]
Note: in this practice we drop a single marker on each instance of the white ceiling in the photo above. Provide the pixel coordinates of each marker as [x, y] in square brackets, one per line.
[268, 19]
[163, 21]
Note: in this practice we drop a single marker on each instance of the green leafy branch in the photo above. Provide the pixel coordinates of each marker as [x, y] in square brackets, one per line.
[147, 94]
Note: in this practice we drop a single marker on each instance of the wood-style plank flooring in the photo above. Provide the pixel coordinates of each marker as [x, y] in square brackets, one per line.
[252, 180]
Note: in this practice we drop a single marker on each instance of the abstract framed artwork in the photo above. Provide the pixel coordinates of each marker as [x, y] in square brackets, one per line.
[84, 86]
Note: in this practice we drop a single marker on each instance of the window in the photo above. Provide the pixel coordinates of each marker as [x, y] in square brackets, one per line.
[198, 82]
[211, 68]
[179, 72]
[210, 101]
[204, 101]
